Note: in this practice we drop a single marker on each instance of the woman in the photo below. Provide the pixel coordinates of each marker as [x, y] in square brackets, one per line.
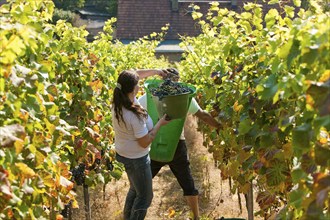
[134, 133]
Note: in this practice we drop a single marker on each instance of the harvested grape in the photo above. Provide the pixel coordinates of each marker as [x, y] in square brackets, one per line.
[169, 88]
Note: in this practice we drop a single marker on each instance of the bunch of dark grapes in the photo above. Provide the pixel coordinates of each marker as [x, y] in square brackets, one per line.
[169, 88]
[78, 174]
[66, 212]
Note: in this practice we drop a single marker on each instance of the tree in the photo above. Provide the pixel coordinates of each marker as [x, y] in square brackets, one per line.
[109, 6]
[69, 4]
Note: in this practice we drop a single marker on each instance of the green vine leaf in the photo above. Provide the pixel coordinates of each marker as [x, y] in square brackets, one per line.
[276, 173]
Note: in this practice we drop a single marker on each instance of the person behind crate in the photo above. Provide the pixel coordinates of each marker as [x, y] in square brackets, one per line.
[134, 132]
[180, 165]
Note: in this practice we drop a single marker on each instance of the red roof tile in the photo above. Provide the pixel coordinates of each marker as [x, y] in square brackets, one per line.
[137, 18]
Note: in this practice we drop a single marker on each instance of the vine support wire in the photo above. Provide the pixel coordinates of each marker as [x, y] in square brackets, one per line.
[87, 205]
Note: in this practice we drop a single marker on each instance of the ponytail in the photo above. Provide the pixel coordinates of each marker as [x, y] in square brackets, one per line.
[126, 83]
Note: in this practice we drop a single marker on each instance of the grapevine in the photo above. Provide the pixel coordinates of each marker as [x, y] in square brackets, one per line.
[55, 92]
[265, 77]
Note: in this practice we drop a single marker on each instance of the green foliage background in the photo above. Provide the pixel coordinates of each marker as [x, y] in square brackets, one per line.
[69, 4]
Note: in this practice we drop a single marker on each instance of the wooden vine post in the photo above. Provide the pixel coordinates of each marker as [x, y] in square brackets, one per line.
[87, 205]
[249, 202]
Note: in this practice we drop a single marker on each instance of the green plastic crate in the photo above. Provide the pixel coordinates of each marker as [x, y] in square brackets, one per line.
[164, 145]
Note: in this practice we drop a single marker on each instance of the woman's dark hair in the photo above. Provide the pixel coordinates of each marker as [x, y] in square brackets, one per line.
[126, 83]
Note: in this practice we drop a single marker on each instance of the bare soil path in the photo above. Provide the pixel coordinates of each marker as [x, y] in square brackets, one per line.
[215, 199]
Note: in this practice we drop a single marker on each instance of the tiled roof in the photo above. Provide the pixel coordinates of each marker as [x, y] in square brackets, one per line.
[137, 18]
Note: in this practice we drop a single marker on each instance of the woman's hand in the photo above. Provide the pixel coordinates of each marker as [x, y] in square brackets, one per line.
[161, 122]
[171, 73]
[164, 120]
[146, 140]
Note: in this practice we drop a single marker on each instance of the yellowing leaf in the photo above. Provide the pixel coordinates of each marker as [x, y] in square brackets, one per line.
[75, 204]
[309, 102]
[24, 116]
[96, 85]
[51, 98]
[237, 107]
[323, 140]
[297, 3]
[63, 169]
[196, 7]
[50, 126]
[211, 33]
[38, 138]
[8, 57]
[171, 212]
[96, 128]
[262, 58]
[19, 144]
[49, 181]
[246, 15]
[98, 116]
[277, 96]
[16, 44]
[68, 96]
[325, 76]
[153, 34]
[25, 170]
[214, 6]
[32, 148]
[2, 84]
[39, 158]
[197, 15]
